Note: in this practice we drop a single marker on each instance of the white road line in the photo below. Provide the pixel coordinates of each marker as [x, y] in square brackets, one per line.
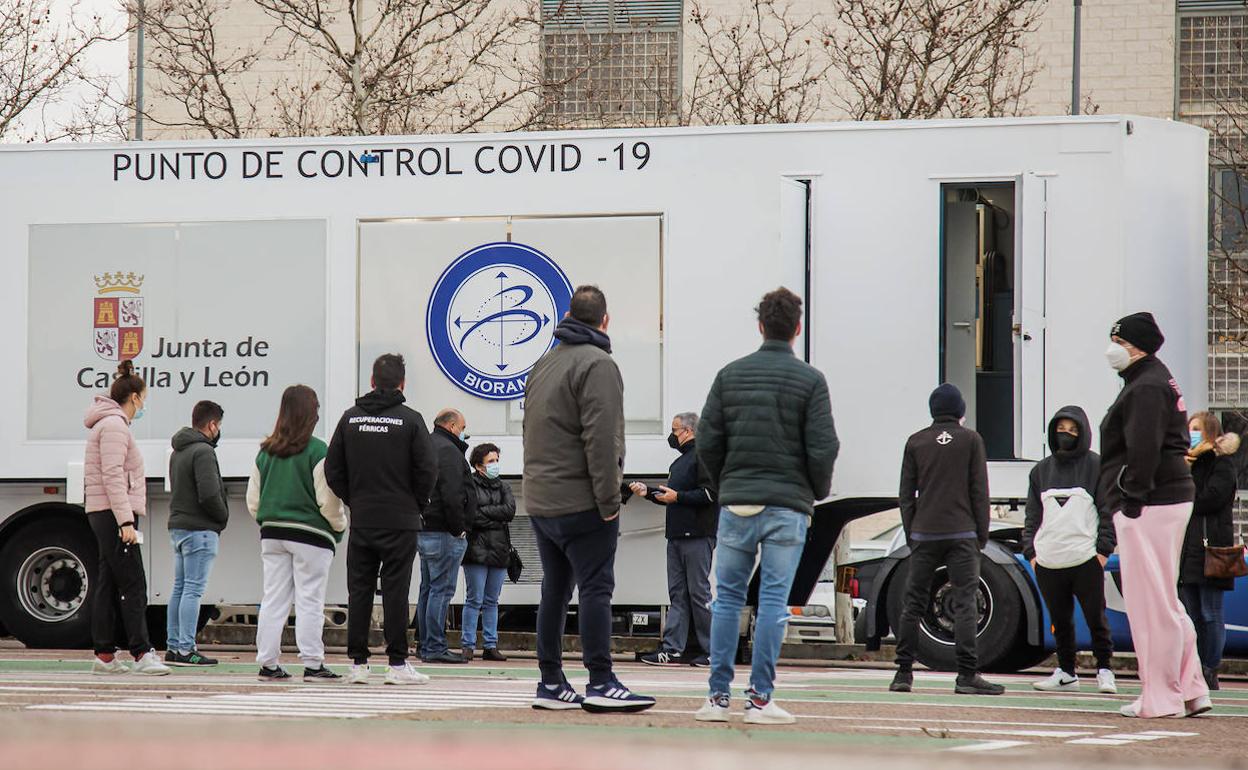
[935, 731]
[1168, 734]
[989, 746]
[1099, 742]
[1133, 737]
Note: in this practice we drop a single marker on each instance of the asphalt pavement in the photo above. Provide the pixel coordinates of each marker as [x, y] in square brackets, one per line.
[54, 713]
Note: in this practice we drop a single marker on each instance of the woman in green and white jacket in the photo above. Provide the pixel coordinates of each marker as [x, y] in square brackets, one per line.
[301, 521]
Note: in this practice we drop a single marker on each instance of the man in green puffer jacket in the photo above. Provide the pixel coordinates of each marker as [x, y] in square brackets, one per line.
[767, 441]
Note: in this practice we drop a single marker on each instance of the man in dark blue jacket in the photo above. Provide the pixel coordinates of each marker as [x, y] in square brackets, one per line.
[692, 516]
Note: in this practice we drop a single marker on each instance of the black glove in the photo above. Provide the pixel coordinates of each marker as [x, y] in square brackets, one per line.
[1131, 509]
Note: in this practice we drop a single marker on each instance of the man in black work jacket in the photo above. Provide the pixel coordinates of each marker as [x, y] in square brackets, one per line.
[692, 517]
[944, 511]
[443, 538]
[381, 464]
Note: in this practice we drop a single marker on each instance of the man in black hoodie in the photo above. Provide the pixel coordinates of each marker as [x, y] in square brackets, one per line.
[1068, 535]
[442, 539]
[1147, 483]
[944, 511]
[382, 465]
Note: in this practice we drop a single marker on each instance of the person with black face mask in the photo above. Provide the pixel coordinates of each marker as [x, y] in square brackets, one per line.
[1068, 535]
[692, 518]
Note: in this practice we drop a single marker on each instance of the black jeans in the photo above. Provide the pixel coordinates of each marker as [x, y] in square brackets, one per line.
[120, 586]
[1060, 588]
[961, 559]
[577, 550]
[389, 553]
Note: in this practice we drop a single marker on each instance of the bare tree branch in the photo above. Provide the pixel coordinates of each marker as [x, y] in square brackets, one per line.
[916, 59]
[41, 62]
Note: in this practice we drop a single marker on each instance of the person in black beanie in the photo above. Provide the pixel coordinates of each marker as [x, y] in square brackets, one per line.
[1146, 481]
[944, 511]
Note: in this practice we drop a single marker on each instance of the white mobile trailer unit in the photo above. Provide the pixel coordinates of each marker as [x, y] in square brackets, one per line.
[994, 254]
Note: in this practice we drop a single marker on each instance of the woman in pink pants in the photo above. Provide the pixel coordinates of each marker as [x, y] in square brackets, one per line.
[1148, 483]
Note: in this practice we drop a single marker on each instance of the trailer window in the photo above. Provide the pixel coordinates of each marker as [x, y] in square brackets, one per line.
[472, 303]
[231, 312]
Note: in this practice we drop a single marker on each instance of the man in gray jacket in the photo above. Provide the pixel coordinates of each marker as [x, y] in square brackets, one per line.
[573, 461]
[198, 512]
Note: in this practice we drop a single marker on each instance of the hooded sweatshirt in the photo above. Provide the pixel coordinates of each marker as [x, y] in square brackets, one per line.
[574, 426]
[113, 466]
[1144, 441]
[198, 501]
[1067, 520]
[381, 462]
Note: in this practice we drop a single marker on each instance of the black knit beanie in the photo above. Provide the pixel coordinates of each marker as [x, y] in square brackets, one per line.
[1141, 330]
[947, 401]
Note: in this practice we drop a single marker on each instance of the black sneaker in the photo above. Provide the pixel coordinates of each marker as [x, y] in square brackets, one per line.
[903, 681]
[446, 657]
[664, 658]
[702, 661]
[493, 655]
[320, 674]
[559, 697]
[467, 653]
[277, 674]
[614, 697]
[976, 685]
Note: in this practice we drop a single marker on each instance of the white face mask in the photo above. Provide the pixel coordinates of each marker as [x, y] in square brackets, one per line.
[1117, 356]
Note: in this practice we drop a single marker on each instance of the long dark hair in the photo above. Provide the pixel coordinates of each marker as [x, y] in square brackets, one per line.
[296, 419]
[126, 383]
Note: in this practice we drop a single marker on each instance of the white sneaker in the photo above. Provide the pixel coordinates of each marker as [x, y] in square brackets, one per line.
[771, 714]
[1058, 681]
[1105, 682]
[150, 665]
[358, 674]
[405, 674]
[114, 666]
[1197, 706]
[714, 709]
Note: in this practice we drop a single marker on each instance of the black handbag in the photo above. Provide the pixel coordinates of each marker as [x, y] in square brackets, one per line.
[514, 566]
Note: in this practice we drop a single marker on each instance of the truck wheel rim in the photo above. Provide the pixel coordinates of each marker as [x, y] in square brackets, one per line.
[937, 622]
[52, 584]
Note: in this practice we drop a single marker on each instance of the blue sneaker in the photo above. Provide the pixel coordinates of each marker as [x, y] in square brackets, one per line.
[557, 697]
[614, 697]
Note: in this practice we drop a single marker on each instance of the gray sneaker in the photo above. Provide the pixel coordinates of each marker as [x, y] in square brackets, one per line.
[150, 665]
[111, 668]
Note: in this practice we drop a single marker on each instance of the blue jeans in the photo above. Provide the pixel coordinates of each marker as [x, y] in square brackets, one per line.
[1204, 606]
[440, 556]
[193, 554]
[482, 585]
[780, 534]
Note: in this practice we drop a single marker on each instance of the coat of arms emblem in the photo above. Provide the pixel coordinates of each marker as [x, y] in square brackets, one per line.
[117, 332]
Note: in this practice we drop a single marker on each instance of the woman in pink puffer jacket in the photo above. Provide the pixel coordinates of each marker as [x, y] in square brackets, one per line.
[116, 495]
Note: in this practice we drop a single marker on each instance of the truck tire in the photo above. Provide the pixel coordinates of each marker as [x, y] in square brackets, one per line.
[1000, 622]
[47, 571]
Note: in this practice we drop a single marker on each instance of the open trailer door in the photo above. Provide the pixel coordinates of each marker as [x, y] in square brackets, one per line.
[1030, 433]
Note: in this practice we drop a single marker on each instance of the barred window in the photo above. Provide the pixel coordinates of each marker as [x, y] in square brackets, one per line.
[611, 62]
[1212, 48]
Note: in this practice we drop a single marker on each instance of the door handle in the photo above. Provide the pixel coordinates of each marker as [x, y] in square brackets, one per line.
[1018, 332]
[962, 325]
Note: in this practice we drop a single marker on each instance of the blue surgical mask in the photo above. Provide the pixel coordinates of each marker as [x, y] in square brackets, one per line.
[463, 435]
[493, 470]
[1196, 438]
[137, 415]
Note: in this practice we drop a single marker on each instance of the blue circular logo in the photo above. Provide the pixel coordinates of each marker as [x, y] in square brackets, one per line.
[492, 314]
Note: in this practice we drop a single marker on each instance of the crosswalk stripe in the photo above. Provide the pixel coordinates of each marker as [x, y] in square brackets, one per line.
[989, 746]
